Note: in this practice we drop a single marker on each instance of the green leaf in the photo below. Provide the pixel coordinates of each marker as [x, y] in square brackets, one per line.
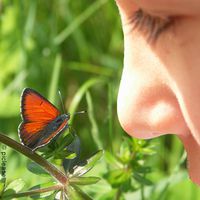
[125, 152]
[142, 179]
[147, 151]
[84, 180]
[61, 195]
[75, 193]
[8, 193]
[137, 144]
[75, 146]
[2, 185]
[128, 186]
[45, 194]
[71, 156]
[112, 160]
[118, 177]
[36, 169]
[90, 163]
[144, 170]
[66, 140]
[57, 148]
[16, 185]
[65, 154]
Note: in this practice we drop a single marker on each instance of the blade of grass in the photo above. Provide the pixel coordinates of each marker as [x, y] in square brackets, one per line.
[55, 77]
[79, 94]
[28, 28]
[78, 21]
[94, 129]
[110, 115]
[91, 68]
[30, 20]
[78, 36]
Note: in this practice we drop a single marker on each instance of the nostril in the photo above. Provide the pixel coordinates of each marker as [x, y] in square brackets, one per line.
[151, 116]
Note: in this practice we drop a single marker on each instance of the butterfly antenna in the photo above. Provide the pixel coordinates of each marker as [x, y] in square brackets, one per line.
[80, 112]
[61, 99]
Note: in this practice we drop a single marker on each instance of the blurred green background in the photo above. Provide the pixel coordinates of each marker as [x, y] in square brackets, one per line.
[75, 47]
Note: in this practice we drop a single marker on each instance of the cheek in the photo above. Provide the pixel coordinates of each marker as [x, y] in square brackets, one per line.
[147, 107]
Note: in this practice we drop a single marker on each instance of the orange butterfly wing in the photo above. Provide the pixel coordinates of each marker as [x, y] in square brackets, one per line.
[35, 107]
[46, 139]
[37, 112]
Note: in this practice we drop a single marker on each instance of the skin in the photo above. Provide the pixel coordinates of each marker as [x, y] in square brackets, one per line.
[160, 85]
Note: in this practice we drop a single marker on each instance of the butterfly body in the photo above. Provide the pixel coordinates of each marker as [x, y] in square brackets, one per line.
[41, 120]
[59, 121]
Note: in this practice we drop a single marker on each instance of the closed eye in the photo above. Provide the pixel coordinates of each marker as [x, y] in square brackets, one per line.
[150, 26]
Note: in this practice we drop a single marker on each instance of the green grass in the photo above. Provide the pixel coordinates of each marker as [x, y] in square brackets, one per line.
[77, 47]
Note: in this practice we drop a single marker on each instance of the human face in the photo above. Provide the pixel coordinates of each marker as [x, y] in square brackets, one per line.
[160, 85]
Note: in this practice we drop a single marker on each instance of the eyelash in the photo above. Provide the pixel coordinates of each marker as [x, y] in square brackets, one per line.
[151, 26]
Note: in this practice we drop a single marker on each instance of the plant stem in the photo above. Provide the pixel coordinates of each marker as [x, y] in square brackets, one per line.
[142, 192]
[118, 194]
[36, 191]
[55, 78]
[110, 116]
[51, 169]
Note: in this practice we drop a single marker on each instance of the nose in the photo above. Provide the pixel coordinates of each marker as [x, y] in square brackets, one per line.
[146, 106]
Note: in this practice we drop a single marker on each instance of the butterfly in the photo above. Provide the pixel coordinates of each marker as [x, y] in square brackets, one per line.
[41, 120]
